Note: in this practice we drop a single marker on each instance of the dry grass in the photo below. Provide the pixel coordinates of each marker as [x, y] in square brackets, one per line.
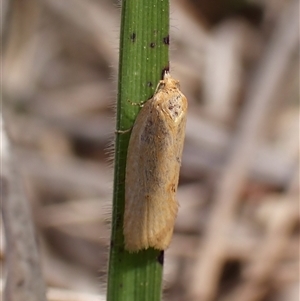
[237, 233]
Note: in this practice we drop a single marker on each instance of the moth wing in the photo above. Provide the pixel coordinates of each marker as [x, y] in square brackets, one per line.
[169, 142]
[152, 171]
[134, 227]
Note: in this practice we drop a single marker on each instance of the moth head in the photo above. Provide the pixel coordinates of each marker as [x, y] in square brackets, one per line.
[168, 82]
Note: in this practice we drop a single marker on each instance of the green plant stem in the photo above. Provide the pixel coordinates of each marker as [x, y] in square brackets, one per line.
[144, 55]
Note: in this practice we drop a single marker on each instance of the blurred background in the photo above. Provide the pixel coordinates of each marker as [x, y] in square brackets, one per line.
[237, 232]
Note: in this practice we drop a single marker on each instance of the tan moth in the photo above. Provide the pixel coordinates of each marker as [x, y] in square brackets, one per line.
[152, 168]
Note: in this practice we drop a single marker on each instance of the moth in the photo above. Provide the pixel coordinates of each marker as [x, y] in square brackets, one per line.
[152, 168]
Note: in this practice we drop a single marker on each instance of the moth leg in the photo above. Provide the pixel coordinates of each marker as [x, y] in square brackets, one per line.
[123, 131]
[139, 104]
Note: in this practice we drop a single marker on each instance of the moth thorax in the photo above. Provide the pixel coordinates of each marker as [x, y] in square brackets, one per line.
[174, 107]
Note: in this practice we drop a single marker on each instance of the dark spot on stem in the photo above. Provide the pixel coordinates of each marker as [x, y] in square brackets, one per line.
[166, 40]
[133, 37]
[152, 45]
[160, 258]
[149, 84]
